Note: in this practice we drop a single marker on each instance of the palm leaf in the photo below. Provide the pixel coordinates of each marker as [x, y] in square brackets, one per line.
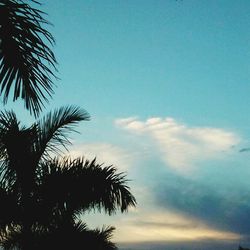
[89, 186]
[77, 236]
[55, 127]
[25, 55]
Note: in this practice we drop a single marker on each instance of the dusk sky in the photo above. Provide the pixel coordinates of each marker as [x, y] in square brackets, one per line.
[167, 85]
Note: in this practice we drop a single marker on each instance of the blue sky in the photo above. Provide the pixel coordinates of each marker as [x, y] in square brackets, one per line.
[167, 84]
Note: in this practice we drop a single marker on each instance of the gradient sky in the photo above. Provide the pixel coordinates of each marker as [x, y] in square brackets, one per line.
[167, 84]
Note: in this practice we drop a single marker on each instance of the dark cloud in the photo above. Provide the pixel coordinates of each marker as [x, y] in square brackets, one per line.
[217, 207]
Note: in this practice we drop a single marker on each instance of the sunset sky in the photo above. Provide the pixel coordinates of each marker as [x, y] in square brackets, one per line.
[167, 84]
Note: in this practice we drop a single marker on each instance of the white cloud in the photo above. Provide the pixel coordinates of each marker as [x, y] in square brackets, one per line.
[105, 153]
[181, 146]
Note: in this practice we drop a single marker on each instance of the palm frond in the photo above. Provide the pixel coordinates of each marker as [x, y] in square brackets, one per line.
[25, 55]
[89, 186]
[100, 239]
[55, 127]
[76, 236]
[106, 232]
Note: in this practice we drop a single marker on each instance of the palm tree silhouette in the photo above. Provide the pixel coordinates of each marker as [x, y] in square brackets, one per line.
[25, 55]
[43, 195]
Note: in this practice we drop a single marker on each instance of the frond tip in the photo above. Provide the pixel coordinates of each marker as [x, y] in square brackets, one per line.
[55, 127]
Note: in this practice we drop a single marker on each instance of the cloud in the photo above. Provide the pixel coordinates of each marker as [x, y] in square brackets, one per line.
[104, 153]
[217, 207]
[146, 224]
[182, 147]
[155, 221]
[218, 199]
[167, 226]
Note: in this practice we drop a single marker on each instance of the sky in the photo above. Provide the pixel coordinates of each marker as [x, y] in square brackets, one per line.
[167, 85]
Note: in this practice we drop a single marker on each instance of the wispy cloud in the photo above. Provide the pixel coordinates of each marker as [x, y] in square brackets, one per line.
[168, 226]
[182, 146]
[104, 153]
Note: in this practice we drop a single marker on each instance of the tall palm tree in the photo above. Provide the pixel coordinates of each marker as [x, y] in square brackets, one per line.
[26, 60]
[43, 195]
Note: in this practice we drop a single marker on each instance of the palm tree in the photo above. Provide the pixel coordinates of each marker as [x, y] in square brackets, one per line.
[37, 209]
[25, 56]
[43, 195]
